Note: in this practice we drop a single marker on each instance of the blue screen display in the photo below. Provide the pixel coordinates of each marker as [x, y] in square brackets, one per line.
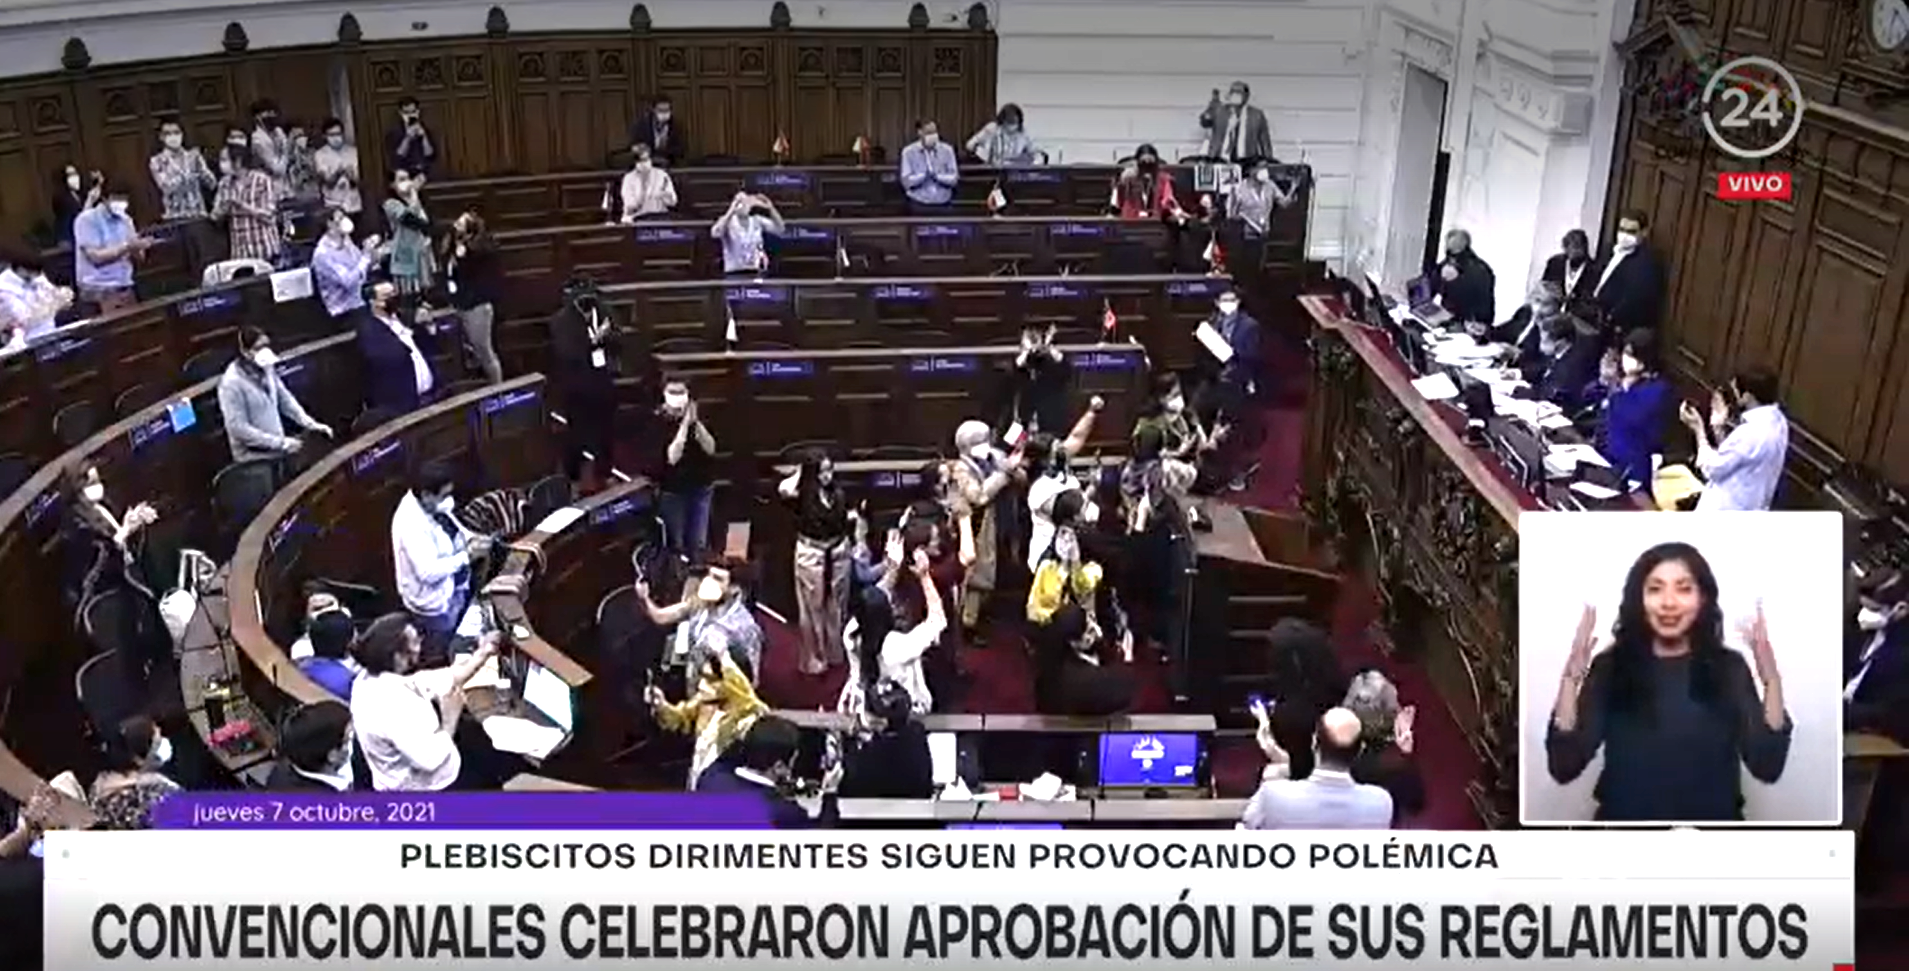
[1149, 759]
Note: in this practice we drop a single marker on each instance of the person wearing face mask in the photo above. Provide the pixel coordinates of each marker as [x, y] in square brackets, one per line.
[413, 266]
[340, 266]
[73, 193]
[976, 478]
[585, 354]
[433, 554]
[684, 470]
[256, 404]
[741, 229]
[408, 721]
[1876, 657]
[100, 548]
[183, 178]
[271, 145]
[30, 304]
[1144, 189]
[1523, 334]
[1183, 438]
[105, 246]
[409, 145]
[662, 131]
[1078, 672]
[881, 648]
[762, 768]
[929, 171]
[1464, 282]
[717, 714]
[1630, 288]
[1004, 142]
[1638, 404]
[314, 750]
[646, 190]
[1742, 465]
[712, 618]
[398, 376]
[1050, 475]
[1066, 575]
[1035, 386]
[335, 165]
[301, 169]
[135, 779]
[1249, 212]
[1568, 364]
[1571, 269]
[822, 530]
[1236, 131]
[248, 202]
[474, 277]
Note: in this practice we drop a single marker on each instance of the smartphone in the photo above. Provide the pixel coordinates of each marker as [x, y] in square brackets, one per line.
[1259, 702]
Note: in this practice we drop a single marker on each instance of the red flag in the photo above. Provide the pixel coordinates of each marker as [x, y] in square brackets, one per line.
[1108, 322]
[1215, 257]
[997, 200]
[781, 146]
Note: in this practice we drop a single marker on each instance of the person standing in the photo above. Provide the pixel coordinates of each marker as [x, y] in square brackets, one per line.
[1572, 270]
[340, 266]
[432, 554]
[406, 720]
[1236, 131]
[1464, 282]
[1327, 798]
[30, 304]
[646, 189]
[1250, 208]
[686, 473]
[413, 267]
[741, 230]
[105, 246]
[1630, 289]
[409, 146]
[929, 171]
[1004, 142]
[398, 377]
[335, 162]
[662, 131]
[1229, 369]
[822, 531]
[248, 203]
[256, 404]
[183, 178]
[585, 351]
[271, 146]
[1741, 461]
[475, 279]
[73, 195]
[1144, 189]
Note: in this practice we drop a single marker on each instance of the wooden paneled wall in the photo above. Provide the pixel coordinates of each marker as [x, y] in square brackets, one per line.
[1813, 287]
[512, 102]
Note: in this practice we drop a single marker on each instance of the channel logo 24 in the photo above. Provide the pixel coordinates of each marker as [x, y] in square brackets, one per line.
[1752, 109]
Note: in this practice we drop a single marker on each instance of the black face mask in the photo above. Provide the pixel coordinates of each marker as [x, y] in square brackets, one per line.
[1149, 164]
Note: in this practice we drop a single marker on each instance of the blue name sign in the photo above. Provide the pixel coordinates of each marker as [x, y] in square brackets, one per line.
[894, 480]
[1198, 288]
[208, 303]
[42, 506]
[940, 231]
[293, 371]
[1055, 291]
[151, 431]
[506, 401]
[365, 461]
[1032, 177]
[757, 294]
[780, 179]
[944, 365]
[782, 369]
[1107, 361]
[808, 234]
[280, 532]
[663, 234]
[53, 350]
[910, 292]
[610, 512]
[1080, 229]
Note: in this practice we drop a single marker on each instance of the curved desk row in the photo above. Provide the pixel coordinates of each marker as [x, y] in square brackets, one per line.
[516, 202]
[167, 454]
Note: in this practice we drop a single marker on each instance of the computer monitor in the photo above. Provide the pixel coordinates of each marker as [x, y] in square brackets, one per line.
[1372, 290]
[1419, 291]
[1150, 759]
[550, 695]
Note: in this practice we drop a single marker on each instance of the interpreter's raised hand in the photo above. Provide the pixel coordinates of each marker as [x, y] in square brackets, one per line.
[1402, 728]
[1756, 634]
[1582, 643]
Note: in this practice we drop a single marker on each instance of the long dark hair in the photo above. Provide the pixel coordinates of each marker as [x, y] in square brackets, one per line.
[808, 484]
[1632, 637]
[874, 618]
[1304, 663]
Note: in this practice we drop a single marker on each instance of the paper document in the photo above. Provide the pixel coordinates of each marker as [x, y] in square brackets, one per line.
[521, 736]
[1591, 490]
[1213, 342]
[290, 285]
[559, 520]
[1579, 452]
[1435, 387]
[944, 755]
[1554, 422]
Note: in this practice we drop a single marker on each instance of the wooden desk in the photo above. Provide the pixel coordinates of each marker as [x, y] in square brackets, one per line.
[523, 202]
[1864, 758]
[333, 521]
[143, 457]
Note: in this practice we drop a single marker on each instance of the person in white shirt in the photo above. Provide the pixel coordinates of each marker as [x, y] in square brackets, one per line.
[29, 303]
[432, 553]
[647, 190]
[1050, 472]
[406, 719]
[878, 652]
[1327, 798]
[335, 162]
[1741, 465]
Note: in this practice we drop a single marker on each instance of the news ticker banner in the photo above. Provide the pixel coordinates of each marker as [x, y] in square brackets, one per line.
[459, 810]
[954, 899]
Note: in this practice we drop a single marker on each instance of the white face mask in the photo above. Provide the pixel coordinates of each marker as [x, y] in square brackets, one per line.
[447, 504]
[982, 452]
[675, 402]
[662, 117]
[265, 357]
[94, 491]
[1228, 307]
[402, 188]
[1090, 513]
[118, 207]
[225, 166]
[1626, 241]
[1236, 99]
[73, 182]
[173, 140]
[345, 226]
[709, 590]
[335, 141]
[1630, 365]
[1263, 175]
[931, 139]
[161, 752]
[1871, 620]
[643, 165]
[1176, 405]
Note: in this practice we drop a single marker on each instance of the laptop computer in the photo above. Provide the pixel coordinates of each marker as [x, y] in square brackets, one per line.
[1422, 297]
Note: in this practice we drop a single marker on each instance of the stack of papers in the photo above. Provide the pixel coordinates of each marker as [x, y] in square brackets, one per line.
[1435, 387]
[521, 736]
[1592, 490]
[1579, 453]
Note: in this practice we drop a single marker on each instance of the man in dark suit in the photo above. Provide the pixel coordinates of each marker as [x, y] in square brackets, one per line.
[1229, 378]
[1464, 282]
[1523, 333]
[585, 350]
[409, 145]
[660, 129]
[398, 375]
[761, 764]
[315, 751]
[1876, 657]
[1569, 354]
[1630, 288]
[1572, 270]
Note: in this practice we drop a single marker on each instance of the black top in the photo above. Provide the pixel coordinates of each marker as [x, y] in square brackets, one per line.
[477, 276]
[1470, 297]
[697, 468]
[783, 812]
[1673, 757]
[890, 765]
[413, 159]
[1395, 772]
[1035, 394]
[574, 347]
[67, 206]
[285, 778]
[823, 522]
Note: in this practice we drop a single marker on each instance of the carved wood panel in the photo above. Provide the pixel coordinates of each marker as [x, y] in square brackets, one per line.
[573, 103]
[842, 89]
[39, 133]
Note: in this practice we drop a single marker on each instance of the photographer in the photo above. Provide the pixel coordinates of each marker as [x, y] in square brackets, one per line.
[584, 345]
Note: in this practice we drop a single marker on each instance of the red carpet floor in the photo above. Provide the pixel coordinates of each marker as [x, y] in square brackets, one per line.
[1000, 679]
